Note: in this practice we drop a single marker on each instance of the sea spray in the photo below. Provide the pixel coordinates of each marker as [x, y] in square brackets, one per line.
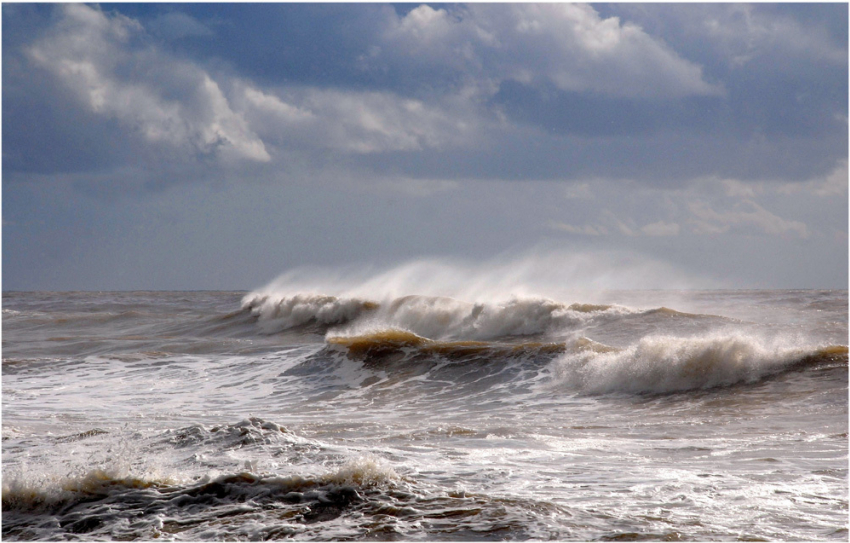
[540, 272]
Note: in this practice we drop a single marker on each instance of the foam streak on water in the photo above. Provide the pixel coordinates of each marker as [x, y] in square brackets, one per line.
[364, 409]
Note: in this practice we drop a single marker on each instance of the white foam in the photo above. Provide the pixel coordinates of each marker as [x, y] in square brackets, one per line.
[366, 470]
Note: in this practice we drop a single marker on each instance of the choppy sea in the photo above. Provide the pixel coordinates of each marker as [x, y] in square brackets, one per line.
[371, 414]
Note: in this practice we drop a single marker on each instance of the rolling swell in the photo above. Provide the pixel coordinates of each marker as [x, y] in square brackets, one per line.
[385, 343]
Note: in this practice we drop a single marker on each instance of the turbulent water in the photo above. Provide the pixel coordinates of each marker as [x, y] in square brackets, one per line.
[365, 413]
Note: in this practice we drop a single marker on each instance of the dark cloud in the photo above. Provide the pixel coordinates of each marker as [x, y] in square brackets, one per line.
[593, 115]
[175, 25]
[45, 130]
[272, 44]
[197, 81]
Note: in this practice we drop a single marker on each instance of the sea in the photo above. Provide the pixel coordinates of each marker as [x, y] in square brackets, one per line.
[376, 410]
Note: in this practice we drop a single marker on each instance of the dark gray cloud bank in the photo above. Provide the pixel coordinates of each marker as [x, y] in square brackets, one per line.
[205, 146]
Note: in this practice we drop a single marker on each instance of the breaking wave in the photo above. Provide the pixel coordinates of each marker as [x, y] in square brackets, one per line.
[656, 364]
[428, 316]
[276, 314]
[664, 364]
[656, 350]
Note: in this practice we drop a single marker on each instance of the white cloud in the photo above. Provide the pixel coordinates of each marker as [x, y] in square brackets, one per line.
[711, 206]
[369, 122]
[619, 222]
[739, 189]
[354, 121]
[656, 229]
[661, 228]
[269, 104]
[586, 230]
[744, 33]
[167, 101]
[744, 213]
[580, 191]
[172, 102]
[568, 45]
[833, 184]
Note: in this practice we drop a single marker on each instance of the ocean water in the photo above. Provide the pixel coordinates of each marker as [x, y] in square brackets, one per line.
[376, 411]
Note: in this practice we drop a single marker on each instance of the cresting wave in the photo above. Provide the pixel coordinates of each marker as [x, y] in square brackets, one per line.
[429, 316]
[656, 364]
[703, 351]
[664, 364]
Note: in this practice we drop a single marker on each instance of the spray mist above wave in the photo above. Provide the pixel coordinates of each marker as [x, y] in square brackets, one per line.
[445, 299]
[535, 273]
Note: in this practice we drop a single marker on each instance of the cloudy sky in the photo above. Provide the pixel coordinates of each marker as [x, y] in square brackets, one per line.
[216, 146]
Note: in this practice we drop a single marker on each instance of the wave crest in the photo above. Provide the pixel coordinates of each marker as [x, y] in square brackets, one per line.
[664, 364]
[427, 316]
[282, 313]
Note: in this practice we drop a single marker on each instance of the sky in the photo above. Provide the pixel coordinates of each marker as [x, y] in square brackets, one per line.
[218, 146]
